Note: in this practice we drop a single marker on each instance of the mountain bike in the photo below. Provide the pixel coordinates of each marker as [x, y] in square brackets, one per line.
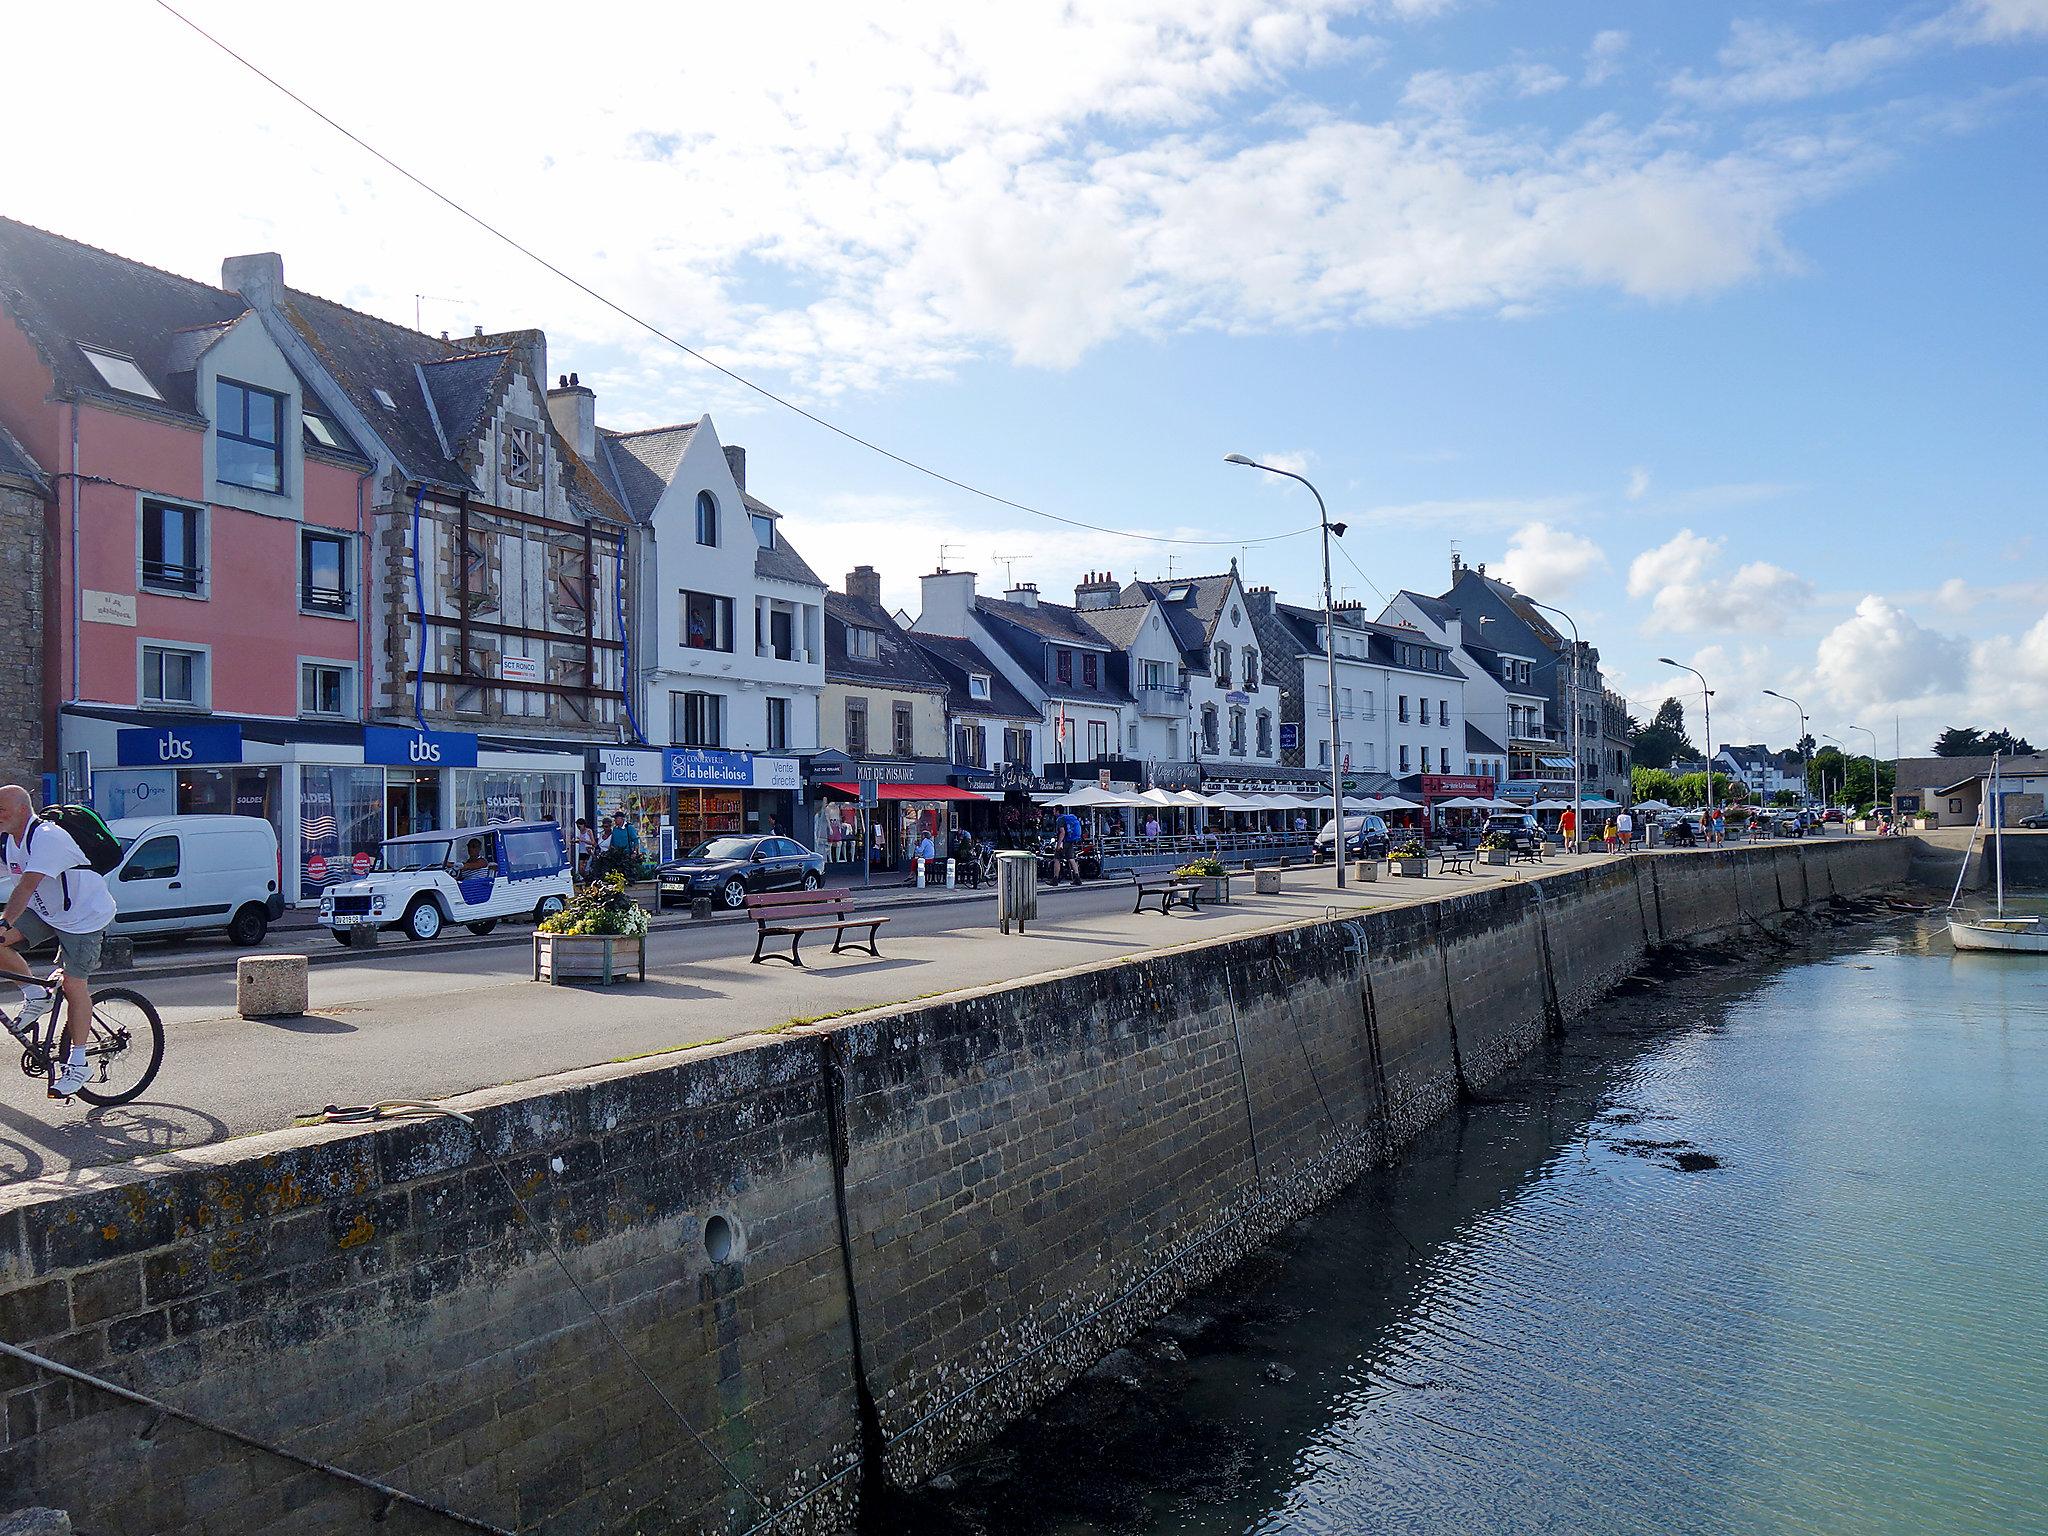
[124, 1049]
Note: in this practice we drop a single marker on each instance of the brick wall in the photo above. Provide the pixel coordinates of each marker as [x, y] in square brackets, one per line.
[22, 745]
[985, 1192]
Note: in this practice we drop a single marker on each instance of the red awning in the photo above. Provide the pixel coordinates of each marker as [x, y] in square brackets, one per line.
[909, 792]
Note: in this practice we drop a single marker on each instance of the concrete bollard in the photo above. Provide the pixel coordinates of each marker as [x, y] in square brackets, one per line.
[117, 953]
[1366, 869]
[700, 908]
[1266, 882]
[270, 986]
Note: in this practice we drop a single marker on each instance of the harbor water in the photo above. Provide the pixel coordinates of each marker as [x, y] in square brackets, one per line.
[1757, 1247]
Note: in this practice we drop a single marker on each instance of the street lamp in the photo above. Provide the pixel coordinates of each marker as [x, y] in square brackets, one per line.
[1338, 847]
[1578, 766]
[1805, 768]
[1706, 723]
[1866, 730]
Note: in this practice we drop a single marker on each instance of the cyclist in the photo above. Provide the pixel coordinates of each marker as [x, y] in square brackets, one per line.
[57, 895]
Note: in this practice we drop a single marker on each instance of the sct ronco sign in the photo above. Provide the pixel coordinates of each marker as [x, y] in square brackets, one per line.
[1446, 785]
[396, 746]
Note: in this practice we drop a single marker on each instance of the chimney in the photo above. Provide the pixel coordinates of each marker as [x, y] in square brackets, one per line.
[532, 345]
[736, 461]
[258, 278]
[863, 584]
[1261, 601]
[1098, 589]
[947, 599]
[1457, 566]
[572, 407]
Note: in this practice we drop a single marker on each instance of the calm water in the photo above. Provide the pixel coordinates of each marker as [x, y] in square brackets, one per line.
[1751, 1251]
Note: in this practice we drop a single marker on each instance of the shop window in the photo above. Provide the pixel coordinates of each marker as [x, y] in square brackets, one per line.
[324, 584]
[778, 724]
[248, 436]
[174, 675]
[173, 548]
[900, 736]
[698, 719]
[707, 622]
[856, 726]
[341, 824]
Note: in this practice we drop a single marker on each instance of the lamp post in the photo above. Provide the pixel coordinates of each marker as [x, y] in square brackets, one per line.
[1338, 846]
[1866, 730]
[1578, 766]
[1805, 768]
[1706, 723]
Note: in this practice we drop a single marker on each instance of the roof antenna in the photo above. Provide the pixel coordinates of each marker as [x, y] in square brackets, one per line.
[433, 298]
[1009, 565]
[946, 554]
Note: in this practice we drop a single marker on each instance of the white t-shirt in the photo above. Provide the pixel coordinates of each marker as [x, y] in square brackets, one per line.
[1624, 824]
[53, 854]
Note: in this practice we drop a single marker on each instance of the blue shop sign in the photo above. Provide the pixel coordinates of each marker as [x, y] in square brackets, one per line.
[707, 768]
[397, 746]
[178, 746]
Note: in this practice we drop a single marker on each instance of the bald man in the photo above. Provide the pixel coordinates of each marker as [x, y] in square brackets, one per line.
[57, 895]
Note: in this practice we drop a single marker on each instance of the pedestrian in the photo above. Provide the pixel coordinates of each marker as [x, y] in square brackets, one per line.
[1568, 829]
[586, 847]
[1152, 826]
[1720, 826]
[1067, 847]
[1625, 830]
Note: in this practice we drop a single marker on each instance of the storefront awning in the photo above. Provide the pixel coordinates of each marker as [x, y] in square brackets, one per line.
[907, 792]
[1556, 762]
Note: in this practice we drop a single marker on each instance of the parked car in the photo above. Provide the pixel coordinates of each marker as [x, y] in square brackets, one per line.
[1365, 837]
[1832, 814]
[1524, 831]
[188, 874]
[2035, 823]
[476, 876]
[729, 869]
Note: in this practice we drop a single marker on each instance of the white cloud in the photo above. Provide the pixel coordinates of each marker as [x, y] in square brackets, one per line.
[2003, 20]
[1603, 56]
[1882, 657]
[1638, 484]
[1549, 563]
[1685, 599]
[1452, 93]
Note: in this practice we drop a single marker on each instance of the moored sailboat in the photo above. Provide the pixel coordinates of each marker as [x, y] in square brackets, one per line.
[1999, 933]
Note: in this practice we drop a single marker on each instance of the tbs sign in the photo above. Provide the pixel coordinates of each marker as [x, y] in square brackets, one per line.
[396, 747]
[178, 746]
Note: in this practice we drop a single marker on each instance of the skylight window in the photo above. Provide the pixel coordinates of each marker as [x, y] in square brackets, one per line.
[320, 432]
[1180, 594]
[384, 398]
[120, 373]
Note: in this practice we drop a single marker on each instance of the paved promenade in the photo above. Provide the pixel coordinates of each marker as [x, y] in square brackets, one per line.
[426, 1021]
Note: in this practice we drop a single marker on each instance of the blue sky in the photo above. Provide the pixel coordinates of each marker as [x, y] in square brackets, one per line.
[1719, 325]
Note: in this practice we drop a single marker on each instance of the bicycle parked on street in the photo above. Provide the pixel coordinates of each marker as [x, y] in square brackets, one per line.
[122, 1053]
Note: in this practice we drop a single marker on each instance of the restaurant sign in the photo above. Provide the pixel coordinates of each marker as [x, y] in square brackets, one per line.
[1444, 786]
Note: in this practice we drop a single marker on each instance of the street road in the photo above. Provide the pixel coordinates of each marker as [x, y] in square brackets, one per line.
[427, 1021]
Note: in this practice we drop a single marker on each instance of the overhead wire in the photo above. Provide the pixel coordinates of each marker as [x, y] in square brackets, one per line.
[682, 346]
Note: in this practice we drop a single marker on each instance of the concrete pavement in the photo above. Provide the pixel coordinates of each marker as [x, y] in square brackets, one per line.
[423, 1021]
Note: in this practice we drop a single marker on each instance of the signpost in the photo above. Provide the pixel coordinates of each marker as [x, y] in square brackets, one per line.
[870, 797]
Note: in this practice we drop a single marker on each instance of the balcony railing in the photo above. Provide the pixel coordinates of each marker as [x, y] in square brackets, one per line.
[177, 578]
[1162, 703]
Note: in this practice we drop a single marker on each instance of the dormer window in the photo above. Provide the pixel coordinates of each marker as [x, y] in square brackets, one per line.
[118, 372]
[863, 644]
[764, 530]
[977, 685]
[319, 431]
[384, 398]
[520, 453]
[249, 440]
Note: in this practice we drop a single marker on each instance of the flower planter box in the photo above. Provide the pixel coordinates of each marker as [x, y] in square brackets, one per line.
[1494, 855]
[1412, 869]
[1928, 822]
[600, 957]
[1215, 888]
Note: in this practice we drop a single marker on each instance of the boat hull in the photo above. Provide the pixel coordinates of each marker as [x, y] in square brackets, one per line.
[2016, 936]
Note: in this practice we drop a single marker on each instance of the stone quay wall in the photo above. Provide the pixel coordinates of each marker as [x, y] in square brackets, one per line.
[843, 1253]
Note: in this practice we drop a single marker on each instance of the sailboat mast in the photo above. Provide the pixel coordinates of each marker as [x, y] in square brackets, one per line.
[1997, 835]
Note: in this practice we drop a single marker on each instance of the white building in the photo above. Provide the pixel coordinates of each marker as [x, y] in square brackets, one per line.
[1400, 703]
[1503, 708]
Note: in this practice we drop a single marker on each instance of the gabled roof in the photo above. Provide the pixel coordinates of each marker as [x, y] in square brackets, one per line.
[782, 563]
[1048, 621]
[66, 294]
[1191, 605]
[1024, 631]
[1117, 626]
[956, 659]
[17, 463]
[462, 390]
[1435, 609]
[644, 463]
[898, 663]
[1477, 740]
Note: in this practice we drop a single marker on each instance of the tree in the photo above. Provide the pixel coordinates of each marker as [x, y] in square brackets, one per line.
[1965, 741]
[1783, 797]
[2006, 742]
[1652, 784]
[1663, 740]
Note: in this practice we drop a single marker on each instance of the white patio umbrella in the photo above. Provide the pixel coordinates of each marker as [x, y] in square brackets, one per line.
[1188, 798]
[1652, 805]
[1225, 801]
[1599, 803]
[1463, 803]
[1396, 803]
[1551, 805]
[1161, 797]
[1498, 804]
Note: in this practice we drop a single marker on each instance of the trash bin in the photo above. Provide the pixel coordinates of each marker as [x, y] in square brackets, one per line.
[1016, 889]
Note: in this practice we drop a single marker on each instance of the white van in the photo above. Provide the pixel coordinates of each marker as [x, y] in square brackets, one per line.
[185, 874]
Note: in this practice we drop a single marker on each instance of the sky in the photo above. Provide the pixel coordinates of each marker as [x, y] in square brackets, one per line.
[1719, 326]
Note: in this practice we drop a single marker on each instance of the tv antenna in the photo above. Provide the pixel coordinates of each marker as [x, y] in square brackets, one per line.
[1009, 565]
[946, 554]
[429, 298]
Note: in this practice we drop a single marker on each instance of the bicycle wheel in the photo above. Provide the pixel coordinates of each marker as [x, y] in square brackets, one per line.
[126, 1046]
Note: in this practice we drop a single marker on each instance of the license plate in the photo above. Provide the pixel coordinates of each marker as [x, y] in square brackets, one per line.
[340, 921]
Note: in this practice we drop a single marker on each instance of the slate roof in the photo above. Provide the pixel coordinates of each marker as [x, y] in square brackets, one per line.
[955, 659]
[1951, 772]
[1025, 632]
[898, 662]
[1434, 608]
[1117, 626]
[782, 563]
[1477, 740]
[462, 390]
[64, 293]
[16, 461]
[1192, 618]
[644, 463]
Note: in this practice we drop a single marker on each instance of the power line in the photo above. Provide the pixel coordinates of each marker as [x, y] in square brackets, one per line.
[1339, 543]
[684, 347]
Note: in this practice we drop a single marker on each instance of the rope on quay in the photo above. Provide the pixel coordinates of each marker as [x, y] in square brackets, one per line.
[386, 1494]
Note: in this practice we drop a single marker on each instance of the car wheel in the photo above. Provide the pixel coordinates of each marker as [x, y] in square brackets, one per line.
[344, 938]
[732, 895]
[423, 920]
[548, 907]
[483, 927]
[249, 926]
[812, 880]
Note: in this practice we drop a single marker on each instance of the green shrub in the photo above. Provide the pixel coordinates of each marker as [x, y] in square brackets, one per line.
[1412, 849]
[1196, 869]
[601, 907]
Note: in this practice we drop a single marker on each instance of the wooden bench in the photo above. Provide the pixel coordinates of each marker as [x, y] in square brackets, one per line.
[792, 914]
[1456, 862]
[1533, 854]
[1169, 894]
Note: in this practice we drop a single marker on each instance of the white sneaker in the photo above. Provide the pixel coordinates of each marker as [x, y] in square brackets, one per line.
[33, 1010]
[70, 1080]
